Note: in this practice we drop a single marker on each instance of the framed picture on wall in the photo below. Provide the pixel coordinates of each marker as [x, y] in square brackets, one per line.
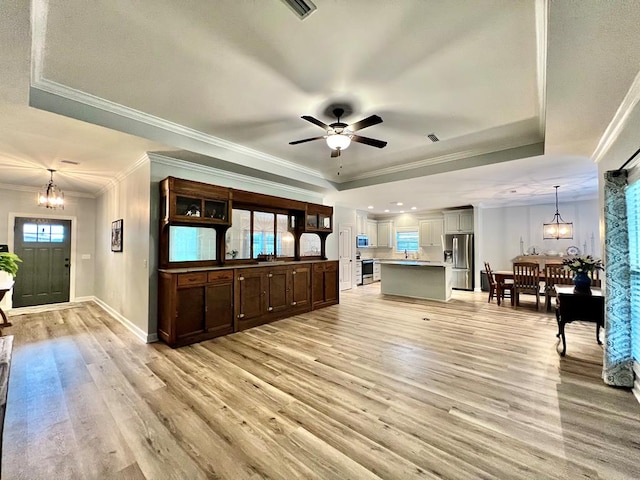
[116, 236]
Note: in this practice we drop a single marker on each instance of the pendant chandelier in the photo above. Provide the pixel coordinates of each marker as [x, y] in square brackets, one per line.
[51, 196]
[557, 228]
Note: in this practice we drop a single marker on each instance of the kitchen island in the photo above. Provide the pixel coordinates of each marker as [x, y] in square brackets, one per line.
[416, 279]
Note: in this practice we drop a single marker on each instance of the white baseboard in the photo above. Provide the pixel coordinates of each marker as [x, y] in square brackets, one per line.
[137, 331]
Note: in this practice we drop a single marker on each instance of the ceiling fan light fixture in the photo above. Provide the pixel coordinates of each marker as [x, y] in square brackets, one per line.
[338, 141]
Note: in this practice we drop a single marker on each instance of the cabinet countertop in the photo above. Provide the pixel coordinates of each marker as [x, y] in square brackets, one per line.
[232, 267]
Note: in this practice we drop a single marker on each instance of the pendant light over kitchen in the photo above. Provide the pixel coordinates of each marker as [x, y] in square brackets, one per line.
[557, 228]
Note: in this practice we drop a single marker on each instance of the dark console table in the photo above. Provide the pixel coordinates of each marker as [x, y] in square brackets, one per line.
[578, 306]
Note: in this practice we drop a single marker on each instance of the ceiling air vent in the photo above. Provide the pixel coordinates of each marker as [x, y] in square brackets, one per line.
[433, 138]
[302, 8]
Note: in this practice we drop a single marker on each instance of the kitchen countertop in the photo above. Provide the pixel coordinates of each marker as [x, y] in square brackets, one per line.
[415, 263]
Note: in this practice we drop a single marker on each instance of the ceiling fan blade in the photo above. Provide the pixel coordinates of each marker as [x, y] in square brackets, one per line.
[366, 122]
[305, 140]
[369, 141]
[335, 153]
[315, 121]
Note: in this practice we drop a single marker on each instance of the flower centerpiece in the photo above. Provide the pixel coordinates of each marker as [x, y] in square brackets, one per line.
[581, 266]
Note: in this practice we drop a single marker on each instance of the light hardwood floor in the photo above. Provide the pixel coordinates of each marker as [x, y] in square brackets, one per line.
[370, 388]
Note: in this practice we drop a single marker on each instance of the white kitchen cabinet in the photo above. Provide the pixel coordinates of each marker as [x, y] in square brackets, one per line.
[385, 232]
[372, 232]
[358, 273]
[376, 272]
[458, 222]
[361, 223]
[431, 232]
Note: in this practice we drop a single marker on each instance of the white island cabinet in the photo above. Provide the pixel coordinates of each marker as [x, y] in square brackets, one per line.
[416, 279]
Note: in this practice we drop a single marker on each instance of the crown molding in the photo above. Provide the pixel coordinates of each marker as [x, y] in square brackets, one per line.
[122, 175]
[25, 188]
[197, 168]
[449, 157]
[57, 89]
[619, 121]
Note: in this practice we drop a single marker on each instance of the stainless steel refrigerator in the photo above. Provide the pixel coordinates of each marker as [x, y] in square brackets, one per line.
[459, 248]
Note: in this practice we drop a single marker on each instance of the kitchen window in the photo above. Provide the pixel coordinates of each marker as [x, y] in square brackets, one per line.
[407, 240]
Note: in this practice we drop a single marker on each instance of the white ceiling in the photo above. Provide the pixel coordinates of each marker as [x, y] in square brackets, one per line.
[496, 81]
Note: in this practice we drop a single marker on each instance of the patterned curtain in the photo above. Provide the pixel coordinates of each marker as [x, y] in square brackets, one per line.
[618, 361]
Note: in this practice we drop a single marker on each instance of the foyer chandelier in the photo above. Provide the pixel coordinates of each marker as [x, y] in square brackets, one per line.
[51, 196]
[557, 228]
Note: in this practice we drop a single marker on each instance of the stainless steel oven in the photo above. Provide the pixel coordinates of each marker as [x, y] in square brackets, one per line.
[367, 271]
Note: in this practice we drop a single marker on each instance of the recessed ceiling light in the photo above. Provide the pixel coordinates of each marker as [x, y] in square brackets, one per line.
[401, 211]
[399, 204]
[414, 208]
[370, 207]
[386, 211]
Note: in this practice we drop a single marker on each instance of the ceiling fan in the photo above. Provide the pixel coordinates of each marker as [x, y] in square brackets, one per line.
[340, 135]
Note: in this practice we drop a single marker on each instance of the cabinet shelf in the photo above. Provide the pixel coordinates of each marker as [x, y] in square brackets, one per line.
[187, 202]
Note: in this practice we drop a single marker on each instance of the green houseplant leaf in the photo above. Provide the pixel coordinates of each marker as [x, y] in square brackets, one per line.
[9, 263]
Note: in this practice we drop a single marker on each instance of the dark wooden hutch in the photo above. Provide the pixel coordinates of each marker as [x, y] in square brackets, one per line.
[205, 298]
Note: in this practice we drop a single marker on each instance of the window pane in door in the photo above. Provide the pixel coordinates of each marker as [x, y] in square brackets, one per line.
[44, 233]
[29, 232]
[57, 233]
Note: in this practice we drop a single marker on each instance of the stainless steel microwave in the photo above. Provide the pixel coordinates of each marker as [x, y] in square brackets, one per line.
[362, 241]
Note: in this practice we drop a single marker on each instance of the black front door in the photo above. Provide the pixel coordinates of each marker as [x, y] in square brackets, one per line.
[44, 245]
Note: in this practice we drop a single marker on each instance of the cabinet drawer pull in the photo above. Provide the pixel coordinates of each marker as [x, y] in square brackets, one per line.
[241, 315]
[294, 303]
[270, 275]
[240, 279]
[271, 309]
[293, 273]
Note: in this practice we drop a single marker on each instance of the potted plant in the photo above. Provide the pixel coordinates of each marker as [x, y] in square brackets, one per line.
[581, 266]
[9, 263]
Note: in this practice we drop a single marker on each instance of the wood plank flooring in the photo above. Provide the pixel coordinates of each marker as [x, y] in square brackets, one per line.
[371, 388]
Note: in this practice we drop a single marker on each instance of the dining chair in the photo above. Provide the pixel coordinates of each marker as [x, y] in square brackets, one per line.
[505, 287]
[555, 274]
[526, 279]
[595, 278]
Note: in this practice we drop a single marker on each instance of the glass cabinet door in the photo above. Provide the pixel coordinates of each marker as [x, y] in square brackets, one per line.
[188, 206]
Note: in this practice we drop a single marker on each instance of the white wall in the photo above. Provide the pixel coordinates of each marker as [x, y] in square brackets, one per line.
[499, 230]
[122, 282]
[18, 201]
